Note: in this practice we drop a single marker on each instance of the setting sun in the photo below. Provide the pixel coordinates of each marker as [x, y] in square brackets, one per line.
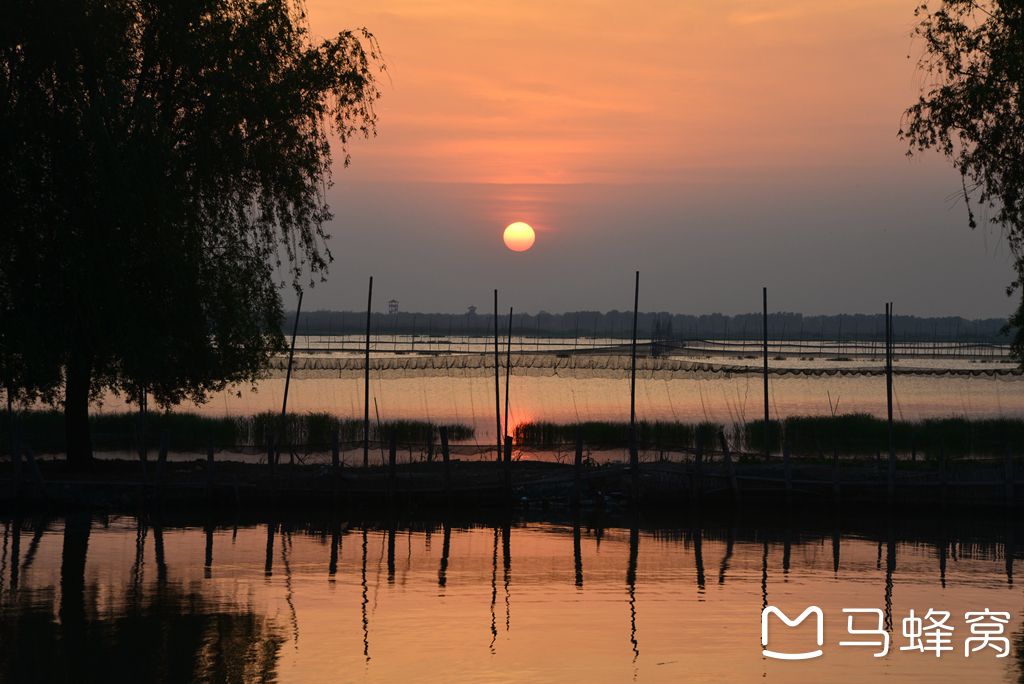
[519, 236]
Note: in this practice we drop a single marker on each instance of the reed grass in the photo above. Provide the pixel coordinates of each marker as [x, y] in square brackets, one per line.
[864, 434]
[44, 430]
[613, 434]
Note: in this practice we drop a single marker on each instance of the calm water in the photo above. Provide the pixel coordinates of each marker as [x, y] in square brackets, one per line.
[572, 395]
[112, 599]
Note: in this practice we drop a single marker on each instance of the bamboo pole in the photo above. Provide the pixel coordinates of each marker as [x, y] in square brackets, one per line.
[288, 375]
[632, 367]
[767, 448]
[366, 384]
[891, 490]
[634, 467]
[497, 380]
[508, 370]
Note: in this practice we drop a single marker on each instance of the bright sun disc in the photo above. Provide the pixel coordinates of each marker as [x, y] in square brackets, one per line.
[519, 237]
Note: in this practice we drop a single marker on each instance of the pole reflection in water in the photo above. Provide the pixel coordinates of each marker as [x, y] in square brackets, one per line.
[577, 553]
[80, 599]
[634, 552]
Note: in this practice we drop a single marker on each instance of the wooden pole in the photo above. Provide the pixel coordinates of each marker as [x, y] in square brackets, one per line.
[767, 448]
[447, 465]
[632, 371]
[288, 375]
[733, 482]
[577, 469]
[366, 384]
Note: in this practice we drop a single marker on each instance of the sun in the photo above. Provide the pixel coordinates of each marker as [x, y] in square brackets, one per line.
[519, 236]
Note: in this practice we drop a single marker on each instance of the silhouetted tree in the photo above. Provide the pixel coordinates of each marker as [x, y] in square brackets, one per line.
[973, 112]
[158, 163]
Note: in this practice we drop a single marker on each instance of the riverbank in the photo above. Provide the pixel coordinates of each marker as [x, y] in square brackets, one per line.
[856, 485]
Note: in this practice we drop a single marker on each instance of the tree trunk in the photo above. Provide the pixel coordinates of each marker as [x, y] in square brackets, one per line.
[76, 412]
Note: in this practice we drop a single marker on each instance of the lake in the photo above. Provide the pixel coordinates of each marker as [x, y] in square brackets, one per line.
[584, 388]
[418, 597]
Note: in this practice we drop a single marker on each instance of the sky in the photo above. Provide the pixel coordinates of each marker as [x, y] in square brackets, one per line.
[717, 148]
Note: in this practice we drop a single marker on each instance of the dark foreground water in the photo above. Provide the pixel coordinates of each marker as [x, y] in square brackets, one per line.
[86, 598]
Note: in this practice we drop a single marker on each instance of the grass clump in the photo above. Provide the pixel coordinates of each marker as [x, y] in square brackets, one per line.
[614, 434]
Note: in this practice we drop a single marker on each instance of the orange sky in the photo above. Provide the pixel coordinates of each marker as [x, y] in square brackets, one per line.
[568, 92]
[737, 143]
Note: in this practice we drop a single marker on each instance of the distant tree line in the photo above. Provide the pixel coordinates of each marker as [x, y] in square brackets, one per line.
[653, 325]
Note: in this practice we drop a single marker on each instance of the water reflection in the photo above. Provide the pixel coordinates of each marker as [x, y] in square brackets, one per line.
[606, 598]
[85, 630]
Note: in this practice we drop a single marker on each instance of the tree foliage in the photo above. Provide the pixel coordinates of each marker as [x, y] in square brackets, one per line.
[972, 111]
[163, 170]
